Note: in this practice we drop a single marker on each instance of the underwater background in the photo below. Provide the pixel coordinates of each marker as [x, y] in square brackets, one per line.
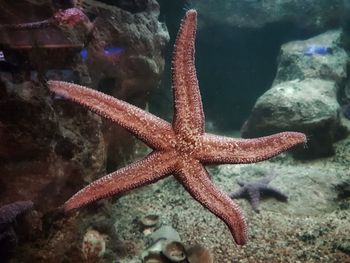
[263, 66]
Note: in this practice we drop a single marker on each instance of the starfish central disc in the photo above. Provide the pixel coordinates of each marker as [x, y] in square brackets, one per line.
[187, 145]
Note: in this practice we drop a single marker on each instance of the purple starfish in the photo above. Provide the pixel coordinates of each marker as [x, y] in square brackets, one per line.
[8, 236]
[254, 190]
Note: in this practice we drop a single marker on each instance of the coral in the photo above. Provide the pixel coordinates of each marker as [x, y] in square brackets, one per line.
[69, 17]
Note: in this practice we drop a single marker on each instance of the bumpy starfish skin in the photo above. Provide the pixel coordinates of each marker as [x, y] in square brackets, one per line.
[180, 148]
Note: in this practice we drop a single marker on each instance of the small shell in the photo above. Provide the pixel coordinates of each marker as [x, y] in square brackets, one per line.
[174, 250]
[153, 258]
[156, 248]
[165, 232]
[149, 220]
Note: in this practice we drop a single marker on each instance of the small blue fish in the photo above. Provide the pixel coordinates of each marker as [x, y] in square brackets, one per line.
[113, 50]
[84, 54]
[109, 51]
[2, 57]
[317, 50]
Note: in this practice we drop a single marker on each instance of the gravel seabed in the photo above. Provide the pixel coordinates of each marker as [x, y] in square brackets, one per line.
[314, 226]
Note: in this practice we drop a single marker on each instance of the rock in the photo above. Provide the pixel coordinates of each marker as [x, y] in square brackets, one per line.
[347, 92]
[131, 6]
[20, 105]
[132, 75]
[309, 106]
[48, 148]
[313, 14]
[296, 63]
[304, 95]
[142, 37]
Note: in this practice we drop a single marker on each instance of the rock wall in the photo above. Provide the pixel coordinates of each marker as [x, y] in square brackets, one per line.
[49, 147]
[136, 72]
[310, 14]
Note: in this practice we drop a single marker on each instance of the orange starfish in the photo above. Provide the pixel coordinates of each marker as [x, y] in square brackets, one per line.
[181, 148]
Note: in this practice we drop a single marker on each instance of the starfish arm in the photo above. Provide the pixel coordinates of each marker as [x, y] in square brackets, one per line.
[9, 212]
[219, 149]
[146, 171]
[271, 191]
[238, 194]
[241, 183]
[188, 109]
[254, 198]
[196, 181]
[152, 130]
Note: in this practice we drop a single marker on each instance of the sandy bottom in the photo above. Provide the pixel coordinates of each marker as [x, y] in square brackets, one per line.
[314, 226]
